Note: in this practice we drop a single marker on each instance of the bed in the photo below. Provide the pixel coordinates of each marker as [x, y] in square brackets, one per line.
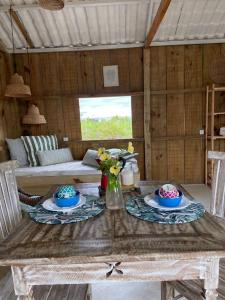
[40, 179]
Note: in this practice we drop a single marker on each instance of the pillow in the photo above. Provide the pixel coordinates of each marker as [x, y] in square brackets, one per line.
[90, 157]
[114, 151]
[33, 144]
[51, 157]
[17, 151]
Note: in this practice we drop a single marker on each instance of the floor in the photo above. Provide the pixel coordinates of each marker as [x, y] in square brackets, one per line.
[151, 290]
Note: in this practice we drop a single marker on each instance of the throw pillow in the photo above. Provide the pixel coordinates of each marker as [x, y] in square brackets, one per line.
[51, 157]
[90, 157]
[33, 144]
[17, 151]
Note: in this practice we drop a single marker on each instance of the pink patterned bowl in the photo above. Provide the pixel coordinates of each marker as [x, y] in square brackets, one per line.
[169, 202]
[168, 191]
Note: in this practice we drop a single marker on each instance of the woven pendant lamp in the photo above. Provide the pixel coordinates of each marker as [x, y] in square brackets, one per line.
[33, 116]
[52, 4]
[16, 88]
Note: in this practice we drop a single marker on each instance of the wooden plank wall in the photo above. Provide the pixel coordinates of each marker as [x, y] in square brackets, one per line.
[177, 75]
[57, 79]
[9, 108]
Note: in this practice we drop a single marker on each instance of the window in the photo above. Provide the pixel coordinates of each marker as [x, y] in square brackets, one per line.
[106, 118]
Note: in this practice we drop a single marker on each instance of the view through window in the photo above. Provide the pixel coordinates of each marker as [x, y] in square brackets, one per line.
[106, 118]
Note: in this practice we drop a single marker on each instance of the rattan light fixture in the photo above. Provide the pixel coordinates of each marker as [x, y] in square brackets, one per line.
[33, 116]
[16, 88]
[51, 4]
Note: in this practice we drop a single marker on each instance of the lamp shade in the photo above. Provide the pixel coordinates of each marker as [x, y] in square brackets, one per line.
[52, 4]
[16, 88]
[33, 116]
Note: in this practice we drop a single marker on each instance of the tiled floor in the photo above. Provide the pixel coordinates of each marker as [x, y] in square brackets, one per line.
[151, 290]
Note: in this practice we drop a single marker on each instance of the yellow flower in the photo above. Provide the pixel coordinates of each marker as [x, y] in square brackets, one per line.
[101, 151]
[105, 156]
[130, 148]
[115, 170]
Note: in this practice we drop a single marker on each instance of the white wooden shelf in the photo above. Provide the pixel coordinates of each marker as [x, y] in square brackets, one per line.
[210, 125]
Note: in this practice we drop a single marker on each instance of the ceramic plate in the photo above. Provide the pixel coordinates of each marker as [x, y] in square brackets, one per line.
[149, 200]
[49, 204]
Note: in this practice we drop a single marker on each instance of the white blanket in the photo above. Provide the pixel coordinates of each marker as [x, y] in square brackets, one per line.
[70, 168]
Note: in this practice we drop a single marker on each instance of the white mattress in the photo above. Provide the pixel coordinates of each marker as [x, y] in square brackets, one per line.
[70, 168]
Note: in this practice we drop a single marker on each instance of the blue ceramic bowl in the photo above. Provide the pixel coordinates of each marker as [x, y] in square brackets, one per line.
[67, 202]
[169, 202]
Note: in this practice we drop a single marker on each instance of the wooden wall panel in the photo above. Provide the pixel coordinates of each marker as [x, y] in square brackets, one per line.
[9, 109]
[159, 160]
[175, 160]
[136, 70]
[194, 113]
[171, 121]
[175, 115]
[194, 166]
[58, 79]
[178, 73]
[193, 66]
[137, 111]
[175, 67]
[158, 67]
[159, 116]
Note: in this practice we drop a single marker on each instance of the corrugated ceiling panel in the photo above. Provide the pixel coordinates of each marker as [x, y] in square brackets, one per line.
[115, 23]
[81, 25]
[86, 26]
[193, 20]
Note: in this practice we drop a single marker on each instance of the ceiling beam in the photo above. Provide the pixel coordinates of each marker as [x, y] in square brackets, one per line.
[78, 48]
[77, 3]
[21, 28]
[3, 47]
[163, 6]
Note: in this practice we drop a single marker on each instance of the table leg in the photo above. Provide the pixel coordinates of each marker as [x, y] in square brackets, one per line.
[89, 293]
[212, 280]
[167, 291]
[22, 290]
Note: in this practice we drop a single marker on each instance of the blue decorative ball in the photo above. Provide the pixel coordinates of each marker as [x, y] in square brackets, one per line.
[66, 191]
[66, 196]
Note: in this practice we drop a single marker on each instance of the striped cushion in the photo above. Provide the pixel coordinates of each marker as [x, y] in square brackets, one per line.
[33, 144]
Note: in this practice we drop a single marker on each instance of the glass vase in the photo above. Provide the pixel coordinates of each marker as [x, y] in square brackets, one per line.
[114, 196]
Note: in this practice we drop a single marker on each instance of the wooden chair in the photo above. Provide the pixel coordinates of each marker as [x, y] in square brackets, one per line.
[194, 289]
[10, 216]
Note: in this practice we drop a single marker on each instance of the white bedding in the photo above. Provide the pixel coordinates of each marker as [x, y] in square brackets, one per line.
[70, 168]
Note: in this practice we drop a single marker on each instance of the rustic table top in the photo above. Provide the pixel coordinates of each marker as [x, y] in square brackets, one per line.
[112, 236]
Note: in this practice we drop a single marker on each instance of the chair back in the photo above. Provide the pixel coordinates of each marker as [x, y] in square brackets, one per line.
[10, 212]
[217, 206]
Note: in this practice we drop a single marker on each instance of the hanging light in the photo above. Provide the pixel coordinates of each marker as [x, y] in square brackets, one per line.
[51, 4]
[33, 116]
[16, 88]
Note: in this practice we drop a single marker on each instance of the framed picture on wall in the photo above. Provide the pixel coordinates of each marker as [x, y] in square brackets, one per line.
[111, 76]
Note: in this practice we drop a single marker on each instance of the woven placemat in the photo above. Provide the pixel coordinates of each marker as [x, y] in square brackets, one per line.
[90, 209]
[139, 209]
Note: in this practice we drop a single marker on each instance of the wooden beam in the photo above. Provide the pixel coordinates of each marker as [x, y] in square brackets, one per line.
[78, 48]
[2, 47]
[21, 28]
[147, 115]
[77, 3]
[163, 6]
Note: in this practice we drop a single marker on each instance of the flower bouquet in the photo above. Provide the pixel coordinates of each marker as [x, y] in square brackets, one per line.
[111, 166]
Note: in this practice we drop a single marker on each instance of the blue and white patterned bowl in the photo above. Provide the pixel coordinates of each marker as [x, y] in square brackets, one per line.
[66, 196]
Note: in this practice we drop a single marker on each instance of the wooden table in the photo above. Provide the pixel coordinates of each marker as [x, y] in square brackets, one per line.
[114, 246]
